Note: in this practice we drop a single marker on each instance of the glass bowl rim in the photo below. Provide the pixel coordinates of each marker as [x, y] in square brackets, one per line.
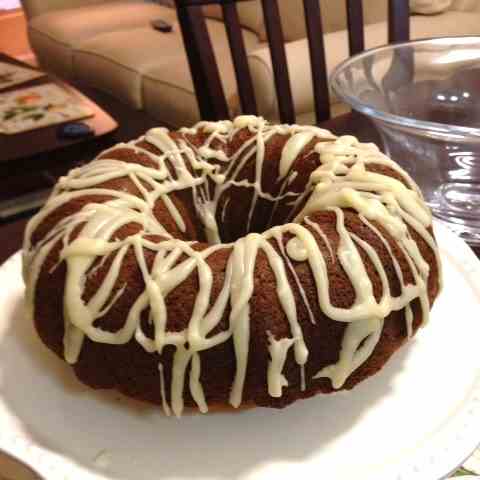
[398, 120]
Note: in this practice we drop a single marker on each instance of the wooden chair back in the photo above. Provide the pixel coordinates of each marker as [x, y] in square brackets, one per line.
[205, 74]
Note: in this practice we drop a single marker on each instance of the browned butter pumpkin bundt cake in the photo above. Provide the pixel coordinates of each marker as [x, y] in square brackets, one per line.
[232, 263]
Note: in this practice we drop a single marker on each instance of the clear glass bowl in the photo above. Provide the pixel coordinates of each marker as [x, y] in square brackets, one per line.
[424, 98]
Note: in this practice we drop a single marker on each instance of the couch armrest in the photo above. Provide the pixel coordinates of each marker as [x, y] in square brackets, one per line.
[33, 8]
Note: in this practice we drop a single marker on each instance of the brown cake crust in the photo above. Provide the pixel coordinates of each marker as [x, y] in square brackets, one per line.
[131, 370]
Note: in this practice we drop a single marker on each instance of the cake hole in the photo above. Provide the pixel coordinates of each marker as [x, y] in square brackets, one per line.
[265, 215]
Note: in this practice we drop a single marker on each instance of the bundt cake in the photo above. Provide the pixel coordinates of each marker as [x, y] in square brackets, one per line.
[232, 263]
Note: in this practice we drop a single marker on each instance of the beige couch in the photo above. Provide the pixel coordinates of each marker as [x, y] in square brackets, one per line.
[111, 46]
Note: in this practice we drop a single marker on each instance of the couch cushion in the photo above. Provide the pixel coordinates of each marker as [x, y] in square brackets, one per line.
[336, 44]
[466, 5]
[334, 16]
[250, 15]
[102, 62]
[168, 92]
[53, 35]
[429, 7]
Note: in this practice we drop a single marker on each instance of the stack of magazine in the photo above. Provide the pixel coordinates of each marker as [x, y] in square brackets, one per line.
[24, 109]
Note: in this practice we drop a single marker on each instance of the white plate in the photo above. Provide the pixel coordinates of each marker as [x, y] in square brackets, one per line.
[418, 419]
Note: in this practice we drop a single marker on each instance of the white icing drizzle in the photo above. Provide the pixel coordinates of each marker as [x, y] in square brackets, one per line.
[279, 239]
[303, 383]
[341, 181]
[351, 355]
[166, 407]
[278, 350]
[324, 238]
[409, 320]
[292, 149]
